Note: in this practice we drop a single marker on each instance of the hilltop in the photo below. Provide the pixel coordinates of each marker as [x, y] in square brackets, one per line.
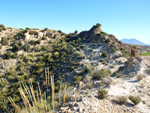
[94, 59]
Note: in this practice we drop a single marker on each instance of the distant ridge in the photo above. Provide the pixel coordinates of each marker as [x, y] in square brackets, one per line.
[133, 42]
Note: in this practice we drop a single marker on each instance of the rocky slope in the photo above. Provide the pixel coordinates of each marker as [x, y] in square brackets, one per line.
[73, 58]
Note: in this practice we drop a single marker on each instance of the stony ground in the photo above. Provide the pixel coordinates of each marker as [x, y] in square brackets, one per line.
[88, 102]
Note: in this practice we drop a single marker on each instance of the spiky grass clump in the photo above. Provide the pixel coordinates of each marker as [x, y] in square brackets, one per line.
[99, 74]
[102, 94]
[140, 77]
[35, 101]
[135, 99]
[122, 100]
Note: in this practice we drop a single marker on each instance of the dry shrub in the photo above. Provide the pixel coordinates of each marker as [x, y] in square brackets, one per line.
[107, 81]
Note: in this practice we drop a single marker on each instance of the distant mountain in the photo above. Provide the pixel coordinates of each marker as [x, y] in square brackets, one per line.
[133, 42]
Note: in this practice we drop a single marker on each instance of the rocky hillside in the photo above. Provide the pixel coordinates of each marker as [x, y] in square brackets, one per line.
[92, 58]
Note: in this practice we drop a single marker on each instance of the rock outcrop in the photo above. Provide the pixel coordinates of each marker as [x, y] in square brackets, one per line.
[96, 34]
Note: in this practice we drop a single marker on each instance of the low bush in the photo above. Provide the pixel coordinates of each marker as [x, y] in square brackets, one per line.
[104, 54]
[0, 46]
[33, 42]
[27, 28]
[16, 47]
[77, 79]
[119, 74]
[8, 55]
[26, 47]
[87, 68]
[102, 94]
[113, 50]
[140, 77]
[4, 41]
[98, 25]
[56, 54]
[89, 84]
[108, 40]
[107, 81]
[125, 52]
[122, 100]
[99, 74]
[2, 27]
[135, 99]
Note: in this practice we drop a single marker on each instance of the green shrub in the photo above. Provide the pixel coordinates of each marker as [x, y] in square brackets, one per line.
[140, 77]
[104, 54]
[8, 55]
[27, 28]
[112, 66]
[87, 68]
[103, 33]
[83, 46]
[113, 50]
[125, 52]
[108, 40]
[49, 57]
[95, 32]
[16, 47]
[135, 47]
[147, 71]
[107, 81]
[43, 38]
[91, 50]
[99, 74]
[14, 55]
[102, 94]
[56, 54]
[45, 29]
[2, 27]
[135, 99]
[122, 100]
[98, 25]
[78, 48]
[77, 79]
[5, 41]
[9, 28]
[119, 74]
[104, 62]
[32, 42]
[0, 46]
[90, 84]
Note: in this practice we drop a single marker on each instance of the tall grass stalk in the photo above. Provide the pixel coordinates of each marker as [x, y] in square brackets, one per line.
[33, 95]
[13, 104]
[53, 92]
[67, 110]
[64, 99]
[104, 105]
[99, 109]
[77, 93]
[60, 92]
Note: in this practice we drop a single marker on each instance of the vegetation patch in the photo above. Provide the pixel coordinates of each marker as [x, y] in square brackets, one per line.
[145, 54]
[99, 74]
[122, 100]
[135, 99]
[102, 94]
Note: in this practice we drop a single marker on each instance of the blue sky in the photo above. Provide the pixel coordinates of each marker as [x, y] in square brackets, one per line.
[123, 18]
